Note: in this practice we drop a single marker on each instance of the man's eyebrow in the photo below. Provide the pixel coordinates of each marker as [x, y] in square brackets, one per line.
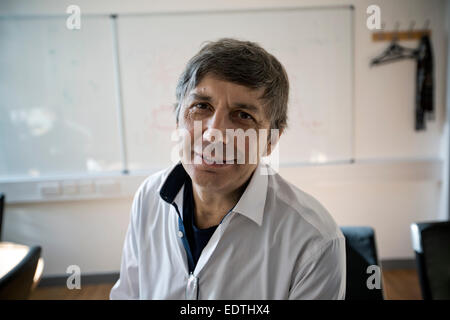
[247, 106]
[198, 96]
[204, 97]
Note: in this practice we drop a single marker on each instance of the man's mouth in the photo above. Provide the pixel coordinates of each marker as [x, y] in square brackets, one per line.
[214, 161]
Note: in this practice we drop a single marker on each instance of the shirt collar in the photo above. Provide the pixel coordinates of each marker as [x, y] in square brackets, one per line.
[170, 189]
[253, 200]
[251, 204]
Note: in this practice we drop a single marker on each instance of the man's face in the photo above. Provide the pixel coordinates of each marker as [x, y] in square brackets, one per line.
[216, 106]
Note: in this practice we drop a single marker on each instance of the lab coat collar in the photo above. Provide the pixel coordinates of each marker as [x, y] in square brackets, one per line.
[251, 204]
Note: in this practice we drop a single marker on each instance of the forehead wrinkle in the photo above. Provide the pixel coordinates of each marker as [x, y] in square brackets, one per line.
[200, 93]
[200, 96]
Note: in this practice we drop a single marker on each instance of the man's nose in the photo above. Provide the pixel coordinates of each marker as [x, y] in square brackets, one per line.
[215, 128]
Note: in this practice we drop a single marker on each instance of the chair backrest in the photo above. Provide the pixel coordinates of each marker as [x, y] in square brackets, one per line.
[17, 283]
[361, 253]
[431, 243]
[2, 204]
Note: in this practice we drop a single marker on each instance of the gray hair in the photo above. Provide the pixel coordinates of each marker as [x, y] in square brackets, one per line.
[244, 63]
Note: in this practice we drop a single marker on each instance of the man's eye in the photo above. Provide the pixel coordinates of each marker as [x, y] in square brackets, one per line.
[201, 106]
[245, 116]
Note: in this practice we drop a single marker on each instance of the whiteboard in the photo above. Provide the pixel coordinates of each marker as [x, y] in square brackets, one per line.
[57, 97]
[314, 45]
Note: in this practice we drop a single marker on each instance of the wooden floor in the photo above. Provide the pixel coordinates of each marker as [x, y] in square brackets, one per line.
[401, 285]
[398, 285]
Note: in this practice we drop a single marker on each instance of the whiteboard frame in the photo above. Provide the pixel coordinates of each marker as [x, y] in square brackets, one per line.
[380, 170]
[119, 96]
[131, 179]
[351, 8]
[52, 177]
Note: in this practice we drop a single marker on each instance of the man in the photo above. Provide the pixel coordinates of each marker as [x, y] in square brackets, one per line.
[216, 225]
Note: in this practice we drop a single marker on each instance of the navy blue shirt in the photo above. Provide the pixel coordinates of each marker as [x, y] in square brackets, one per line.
[197, 238]
[194, 239]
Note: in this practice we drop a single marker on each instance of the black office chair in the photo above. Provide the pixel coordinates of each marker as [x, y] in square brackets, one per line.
[2, 204]
[431, 243]
[17, 283]
[361, 253]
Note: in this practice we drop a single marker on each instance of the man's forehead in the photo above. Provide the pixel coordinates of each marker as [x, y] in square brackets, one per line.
[211, 88]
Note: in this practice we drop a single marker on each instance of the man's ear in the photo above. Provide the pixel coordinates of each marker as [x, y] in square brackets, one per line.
[272, 142]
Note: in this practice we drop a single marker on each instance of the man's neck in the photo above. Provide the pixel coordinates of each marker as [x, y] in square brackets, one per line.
[211, 207]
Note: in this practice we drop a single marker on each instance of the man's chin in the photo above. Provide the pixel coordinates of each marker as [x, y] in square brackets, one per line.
[209, 180]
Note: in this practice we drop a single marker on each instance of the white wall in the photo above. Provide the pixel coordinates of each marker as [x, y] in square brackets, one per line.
[397, 178]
